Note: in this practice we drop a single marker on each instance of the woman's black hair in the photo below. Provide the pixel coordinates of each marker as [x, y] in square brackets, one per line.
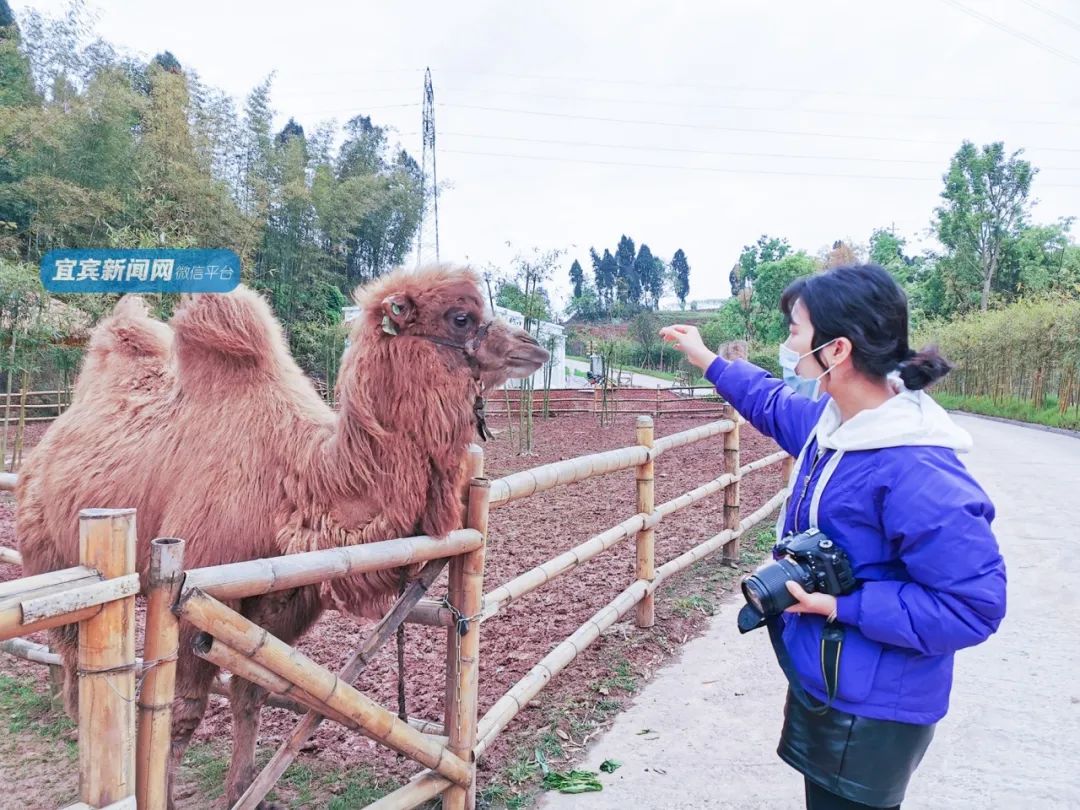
[865, 304]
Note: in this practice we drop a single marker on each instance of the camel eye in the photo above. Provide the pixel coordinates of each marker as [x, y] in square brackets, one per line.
[461, 321]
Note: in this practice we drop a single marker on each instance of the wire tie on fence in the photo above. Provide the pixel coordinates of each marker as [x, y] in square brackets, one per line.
[110, 671]
[146, 667]
[461, 621]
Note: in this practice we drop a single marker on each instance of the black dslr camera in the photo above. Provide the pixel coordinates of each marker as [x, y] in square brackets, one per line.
[812, 560]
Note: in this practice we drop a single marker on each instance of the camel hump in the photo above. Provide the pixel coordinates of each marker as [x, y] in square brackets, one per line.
[236, 328]
[130, 331]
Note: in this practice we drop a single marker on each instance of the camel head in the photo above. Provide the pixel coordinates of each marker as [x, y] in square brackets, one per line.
[444, 308]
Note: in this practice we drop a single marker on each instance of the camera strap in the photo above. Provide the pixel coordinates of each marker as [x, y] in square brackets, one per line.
[832, 644]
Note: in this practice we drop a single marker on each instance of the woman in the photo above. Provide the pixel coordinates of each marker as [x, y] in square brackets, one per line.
[877, 473]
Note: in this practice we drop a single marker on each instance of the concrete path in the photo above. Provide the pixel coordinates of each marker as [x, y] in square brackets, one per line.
[1012, 736]
[639, 380]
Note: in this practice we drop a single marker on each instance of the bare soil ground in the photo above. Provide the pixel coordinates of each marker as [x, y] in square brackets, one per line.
[340, 769]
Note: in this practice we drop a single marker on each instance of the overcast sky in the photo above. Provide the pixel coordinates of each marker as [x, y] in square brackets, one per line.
[684, 125]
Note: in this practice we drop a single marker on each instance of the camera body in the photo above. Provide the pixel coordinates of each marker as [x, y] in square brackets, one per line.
[810, 559]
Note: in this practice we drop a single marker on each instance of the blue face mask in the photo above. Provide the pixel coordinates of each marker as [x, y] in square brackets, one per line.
[807, 387]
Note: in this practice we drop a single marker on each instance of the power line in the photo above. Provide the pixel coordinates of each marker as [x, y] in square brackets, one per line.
[719, 128]
[683, 168]
[1012, 102]
[750, 108]
[748, 88]
[783, 155]
[357, 110]
[1051, 13]
[715, 169]
[1008, 29]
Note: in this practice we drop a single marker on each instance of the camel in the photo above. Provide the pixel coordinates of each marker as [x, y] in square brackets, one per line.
[734, 350]
[210, 430]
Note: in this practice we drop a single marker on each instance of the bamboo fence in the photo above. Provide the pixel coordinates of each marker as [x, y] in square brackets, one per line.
[99, 593]
[614, 401]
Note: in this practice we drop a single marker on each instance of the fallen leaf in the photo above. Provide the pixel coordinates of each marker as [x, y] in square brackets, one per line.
[610, 765]
[572, 782]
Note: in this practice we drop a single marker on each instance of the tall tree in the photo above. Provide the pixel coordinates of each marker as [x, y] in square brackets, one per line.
[766, 249]
[605, 273]
[984, 209]
[630, 286]
[680, 270]
[841, 255]
[771, 279]
[650, 273]
[577, 278]
[16, 83]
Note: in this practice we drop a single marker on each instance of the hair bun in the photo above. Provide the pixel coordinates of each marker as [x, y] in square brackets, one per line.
[923, 368]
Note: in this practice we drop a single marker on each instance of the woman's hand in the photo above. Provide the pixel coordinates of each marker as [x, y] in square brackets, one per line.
[688, 340]
[822, 604]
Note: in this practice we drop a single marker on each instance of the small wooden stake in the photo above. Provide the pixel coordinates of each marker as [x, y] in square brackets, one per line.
[107, 664]
[731, 492]
[462, 726]
[646, 502]
[160, 646]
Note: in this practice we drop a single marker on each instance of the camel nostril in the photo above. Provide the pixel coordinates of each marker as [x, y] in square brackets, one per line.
[527, 338]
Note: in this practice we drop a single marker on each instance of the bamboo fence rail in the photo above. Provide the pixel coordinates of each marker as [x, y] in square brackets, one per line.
[255, 577]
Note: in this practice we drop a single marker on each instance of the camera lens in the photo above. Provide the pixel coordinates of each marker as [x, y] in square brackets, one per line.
[766, 589]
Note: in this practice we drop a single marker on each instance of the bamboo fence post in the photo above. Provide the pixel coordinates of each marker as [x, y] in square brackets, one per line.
[107, 664]
[474, 466]
[657, 414]
[646, 503]
[462, 727]
[731, 492]
[20, 429]
[161, 641]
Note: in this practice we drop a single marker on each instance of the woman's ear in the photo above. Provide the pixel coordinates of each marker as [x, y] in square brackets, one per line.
[839, 351]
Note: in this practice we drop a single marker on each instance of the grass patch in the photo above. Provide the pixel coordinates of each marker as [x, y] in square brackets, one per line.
[1020, 410]
[357, 787]
[26, 709]
[686, 605]
[622, 677]
[207, 764]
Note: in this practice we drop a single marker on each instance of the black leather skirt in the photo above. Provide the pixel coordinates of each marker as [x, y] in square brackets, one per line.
[862, 759]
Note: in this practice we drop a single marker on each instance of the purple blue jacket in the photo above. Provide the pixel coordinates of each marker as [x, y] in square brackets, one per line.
[888, 487]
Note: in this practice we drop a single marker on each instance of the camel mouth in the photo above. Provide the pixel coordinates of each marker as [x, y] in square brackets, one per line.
[523, 365]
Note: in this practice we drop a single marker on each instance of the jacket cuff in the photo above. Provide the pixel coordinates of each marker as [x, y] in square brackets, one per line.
[848, 608]
[715, 370]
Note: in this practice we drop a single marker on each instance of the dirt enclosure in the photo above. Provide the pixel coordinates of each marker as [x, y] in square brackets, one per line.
[522, 535]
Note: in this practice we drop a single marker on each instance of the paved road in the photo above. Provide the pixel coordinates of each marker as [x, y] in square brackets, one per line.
[1012, 736]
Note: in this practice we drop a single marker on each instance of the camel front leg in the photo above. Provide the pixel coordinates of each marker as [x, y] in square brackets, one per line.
[193, 679]
[247, 701]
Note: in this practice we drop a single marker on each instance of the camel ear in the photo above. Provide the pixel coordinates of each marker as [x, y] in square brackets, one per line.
[399, 312]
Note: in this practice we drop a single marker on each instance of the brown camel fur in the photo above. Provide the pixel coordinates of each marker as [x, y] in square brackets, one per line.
[209, 429]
